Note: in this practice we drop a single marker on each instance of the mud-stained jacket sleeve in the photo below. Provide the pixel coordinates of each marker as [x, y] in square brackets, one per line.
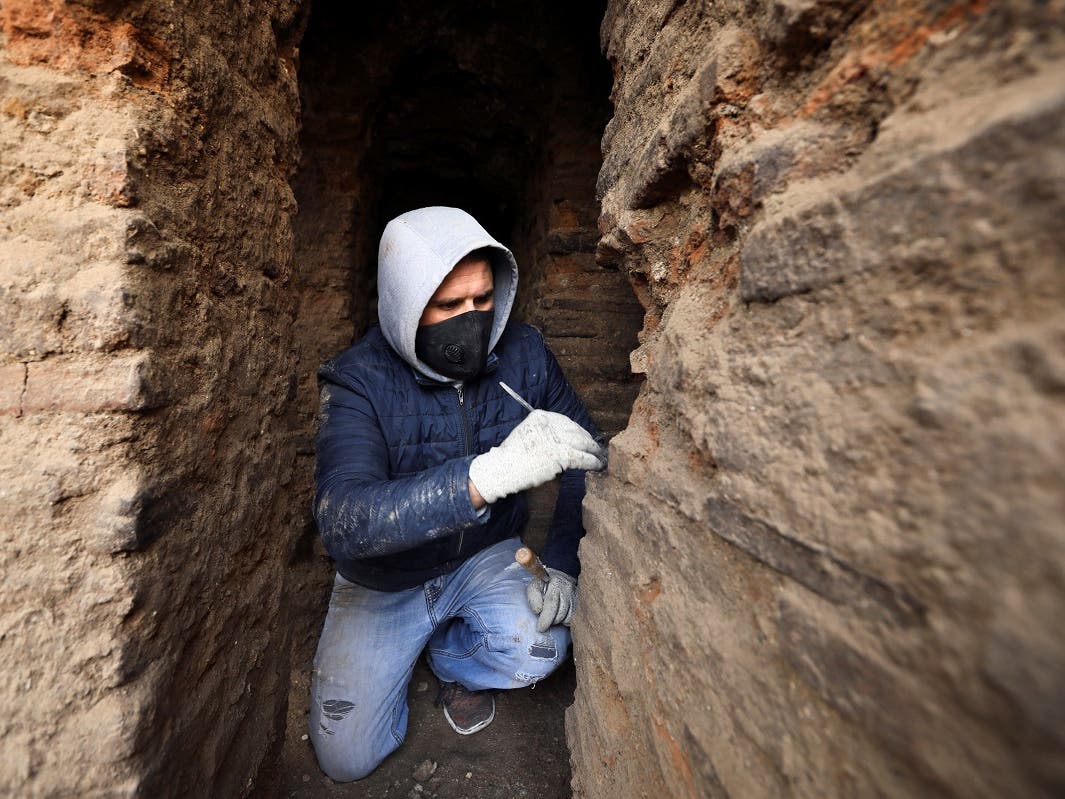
[361, 513]
[567, 528]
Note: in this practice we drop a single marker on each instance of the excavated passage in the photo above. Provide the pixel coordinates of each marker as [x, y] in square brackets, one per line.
[497, 109]
[827, 558]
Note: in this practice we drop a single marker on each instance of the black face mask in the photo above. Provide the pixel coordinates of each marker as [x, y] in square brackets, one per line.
[457, 347]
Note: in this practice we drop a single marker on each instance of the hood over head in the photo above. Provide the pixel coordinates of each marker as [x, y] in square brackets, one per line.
[418, 250]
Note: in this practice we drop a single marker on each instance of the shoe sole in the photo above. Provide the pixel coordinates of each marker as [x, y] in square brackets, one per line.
[475, 728]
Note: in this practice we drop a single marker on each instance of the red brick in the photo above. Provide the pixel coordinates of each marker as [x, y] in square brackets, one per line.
[69, 36]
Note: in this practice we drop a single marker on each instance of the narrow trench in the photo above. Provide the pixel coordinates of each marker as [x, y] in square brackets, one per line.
[497, 108]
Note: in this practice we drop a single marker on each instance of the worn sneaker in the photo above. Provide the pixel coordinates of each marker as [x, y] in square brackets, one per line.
[466, 711]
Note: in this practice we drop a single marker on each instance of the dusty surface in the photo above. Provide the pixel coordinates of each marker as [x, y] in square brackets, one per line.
[520, 754]
[145, 319]
[836, 520]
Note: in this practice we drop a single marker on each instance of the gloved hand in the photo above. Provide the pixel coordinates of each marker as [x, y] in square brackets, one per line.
[554, 600]
[542, 446]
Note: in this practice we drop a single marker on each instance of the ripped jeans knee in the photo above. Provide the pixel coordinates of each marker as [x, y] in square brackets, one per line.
[527, 656]
[350, 738]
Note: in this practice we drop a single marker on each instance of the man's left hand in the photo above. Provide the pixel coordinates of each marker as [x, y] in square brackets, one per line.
[554, 601]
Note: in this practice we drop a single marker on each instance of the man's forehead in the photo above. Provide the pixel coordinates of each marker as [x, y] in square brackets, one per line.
[474, 261]
[468, 270]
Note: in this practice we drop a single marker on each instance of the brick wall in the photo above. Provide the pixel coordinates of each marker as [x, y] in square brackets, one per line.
[146, 353]
[587, 311]
[829, 550]
[74, 381]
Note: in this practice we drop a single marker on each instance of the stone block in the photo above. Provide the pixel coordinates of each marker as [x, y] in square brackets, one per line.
[1025, 659]
[661, 169]
[747, 176]
[819, 571]
[868, 473]
[798, 28]
[576, 240]
[12, 384]
[570, 325]
[853, 683]
[587, 280]
[119, 507]
[804, 250]
[921, 733]
[30, 320]
[108, 174]
[88, 385]
[893, 218]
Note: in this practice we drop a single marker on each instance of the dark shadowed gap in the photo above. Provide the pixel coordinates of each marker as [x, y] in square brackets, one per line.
[497, 108]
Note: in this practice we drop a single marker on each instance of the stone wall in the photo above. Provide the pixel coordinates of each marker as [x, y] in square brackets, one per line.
[148, 433]
[72, 382]
[829, 557]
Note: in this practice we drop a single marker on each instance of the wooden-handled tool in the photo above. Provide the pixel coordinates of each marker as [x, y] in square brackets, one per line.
[527, 558]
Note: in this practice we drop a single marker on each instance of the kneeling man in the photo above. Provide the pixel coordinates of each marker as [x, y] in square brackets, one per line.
[422, 461]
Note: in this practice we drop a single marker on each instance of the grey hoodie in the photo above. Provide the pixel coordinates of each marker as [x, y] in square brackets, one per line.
[418, 250]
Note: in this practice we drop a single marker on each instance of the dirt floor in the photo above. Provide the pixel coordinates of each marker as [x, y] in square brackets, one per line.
[521, 754]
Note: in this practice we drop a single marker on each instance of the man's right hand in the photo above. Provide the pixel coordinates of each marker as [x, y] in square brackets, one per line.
[541, 447]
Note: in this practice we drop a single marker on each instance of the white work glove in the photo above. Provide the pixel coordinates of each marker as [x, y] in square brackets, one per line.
[554, 600]
[542, 446]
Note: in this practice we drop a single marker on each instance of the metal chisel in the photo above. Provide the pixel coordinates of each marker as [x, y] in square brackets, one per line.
[516, 396]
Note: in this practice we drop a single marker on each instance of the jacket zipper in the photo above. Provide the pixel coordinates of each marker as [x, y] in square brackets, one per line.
[466, 438]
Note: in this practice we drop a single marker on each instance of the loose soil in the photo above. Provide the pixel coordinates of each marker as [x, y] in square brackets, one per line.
[521, 754]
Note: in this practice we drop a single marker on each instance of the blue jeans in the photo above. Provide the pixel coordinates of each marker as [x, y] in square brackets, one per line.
[479, 631]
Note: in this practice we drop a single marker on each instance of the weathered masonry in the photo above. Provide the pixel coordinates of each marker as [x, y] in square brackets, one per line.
[819, 243]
